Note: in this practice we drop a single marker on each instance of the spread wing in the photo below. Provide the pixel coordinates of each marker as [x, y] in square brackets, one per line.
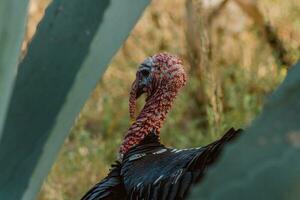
[153, 172]
[168, 174]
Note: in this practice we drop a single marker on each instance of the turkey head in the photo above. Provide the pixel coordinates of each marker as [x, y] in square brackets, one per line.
[160, 77]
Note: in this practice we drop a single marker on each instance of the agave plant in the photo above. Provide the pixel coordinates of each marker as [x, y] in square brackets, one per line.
[11, 34]
[70, 51]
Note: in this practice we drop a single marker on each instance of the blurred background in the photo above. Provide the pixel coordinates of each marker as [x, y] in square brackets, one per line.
[236, 53]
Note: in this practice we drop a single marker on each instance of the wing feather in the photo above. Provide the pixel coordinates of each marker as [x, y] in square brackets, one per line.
[110, 188]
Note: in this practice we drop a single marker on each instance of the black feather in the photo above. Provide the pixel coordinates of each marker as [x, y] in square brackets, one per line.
[110, 188]
[150, 171]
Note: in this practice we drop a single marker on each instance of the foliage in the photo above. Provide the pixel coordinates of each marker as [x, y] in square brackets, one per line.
[12, 28]
[242, 70]
[71, 49]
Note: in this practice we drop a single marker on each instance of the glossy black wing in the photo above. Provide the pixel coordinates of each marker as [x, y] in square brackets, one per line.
[158, 173]
[211, 152]
[110, 188]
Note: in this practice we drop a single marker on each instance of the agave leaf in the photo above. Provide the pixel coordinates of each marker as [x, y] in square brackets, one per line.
[265, 162]
[70, 51]
[12, 27]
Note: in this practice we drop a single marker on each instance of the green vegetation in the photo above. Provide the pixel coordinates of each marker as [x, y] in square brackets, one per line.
[11, 34]
[70, 51]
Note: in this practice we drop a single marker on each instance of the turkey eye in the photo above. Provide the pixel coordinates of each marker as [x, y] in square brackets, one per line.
[145, 72]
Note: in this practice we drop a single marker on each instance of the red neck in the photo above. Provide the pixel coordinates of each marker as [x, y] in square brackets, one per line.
[151, 118]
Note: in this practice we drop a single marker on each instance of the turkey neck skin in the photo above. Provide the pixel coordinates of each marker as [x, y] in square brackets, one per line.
[151, 118]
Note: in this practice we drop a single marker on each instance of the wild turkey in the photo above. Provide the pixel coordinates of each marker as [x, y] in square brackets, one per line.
[146, 168]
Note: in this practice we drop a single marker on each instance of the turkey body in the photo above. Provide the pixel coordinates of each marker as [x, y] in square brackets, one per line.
[150, 171]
